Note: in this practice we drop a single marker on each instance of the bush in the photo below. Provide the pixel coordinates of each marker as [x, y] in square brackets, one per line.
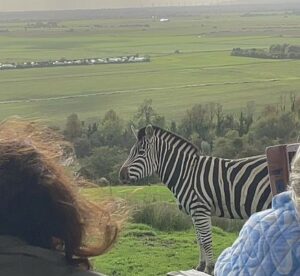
[104, 162]
[228, 225]
[166, 217]
[162, 216]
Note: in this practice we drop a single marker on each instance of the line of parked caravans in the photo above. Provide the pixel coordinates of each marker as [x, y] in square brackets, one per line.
[65, 62]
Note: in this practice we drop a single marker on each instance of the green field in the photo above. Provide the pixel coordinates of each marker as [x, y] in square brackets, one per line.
[202, 72]
[142, 250]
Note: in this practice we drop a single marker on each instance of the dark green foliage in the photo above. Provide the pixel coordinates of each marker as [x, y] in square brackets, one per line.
[173, 127]
[82, 147]
[104, 162]
[245, 122]
[228, 225]
[147, 115]
[127, 139]
[103, 146]
[96, 139]
[225, 123]
[112, 129]
[196, 140]
[228, 146]
[279, 127]
[73, 127]
[200, 120]
[276, 51]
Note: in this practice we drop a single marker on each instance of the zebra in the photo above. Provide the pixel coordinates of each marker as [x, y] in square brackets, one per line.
[204, 186]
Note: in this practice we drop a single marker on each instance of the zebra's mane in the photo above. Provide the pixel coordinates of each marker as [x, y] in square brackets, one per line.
[142, 133]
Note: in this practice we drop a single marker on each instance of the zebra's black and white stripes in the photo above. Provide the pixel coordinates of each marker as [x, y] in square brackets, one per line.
[204, 186]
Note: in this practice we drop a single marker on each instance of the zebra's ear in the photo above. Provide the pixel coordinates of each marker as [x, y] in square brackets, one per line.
[149, 131]
[134, 131]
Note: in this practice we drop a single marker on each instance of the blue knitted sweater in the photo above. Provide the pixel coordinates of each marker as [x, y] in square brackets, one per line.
[268, 244]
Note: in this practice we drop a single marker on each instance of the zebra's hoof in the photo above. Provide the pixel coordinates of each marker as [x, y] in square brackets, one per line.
[210, 269]
[201, 266]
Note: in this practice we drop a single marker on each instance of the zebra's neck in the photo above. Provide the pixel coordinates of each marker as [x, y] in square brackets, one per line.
[175, 158]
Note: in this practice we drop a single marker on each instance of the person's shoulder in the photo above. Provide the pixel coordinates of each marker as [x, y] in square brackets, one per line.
[283, 200]
[280, 204]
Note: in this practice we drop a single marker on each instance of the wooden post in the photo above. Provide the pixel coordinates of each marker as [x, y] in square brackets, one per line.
[279, 159]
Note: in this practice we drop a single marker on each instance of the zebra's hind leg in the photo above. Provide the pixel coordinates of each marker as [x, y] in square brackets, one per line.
[210, 269]
[202, 223]
[202, 259]
[201, 266]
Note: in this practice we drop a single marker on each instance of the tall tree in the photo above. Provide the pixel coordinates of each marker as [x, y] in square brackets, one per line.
[147, 115]
[73, 127]
[198, 119]
[112, 128]
[104, 162]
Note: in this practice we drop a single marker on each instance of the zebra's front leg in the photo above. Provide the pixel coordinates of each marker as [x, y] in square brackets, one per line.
[203, 227]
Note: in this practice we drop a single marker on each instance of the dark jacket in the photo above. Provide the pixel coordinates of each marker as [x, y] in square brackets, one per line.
[17, 258]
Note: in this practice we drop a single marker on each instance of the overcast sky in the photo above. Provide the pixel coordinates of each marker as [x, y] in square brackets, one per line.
[26, 5]
[31, 5]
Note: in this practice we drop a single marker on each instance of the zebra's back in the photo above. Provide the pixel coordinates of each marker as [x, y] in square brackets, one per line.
[235, 188]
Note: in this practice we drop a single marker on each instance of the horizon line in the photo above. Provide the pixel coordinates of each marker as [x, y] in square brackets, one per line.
[152, 6]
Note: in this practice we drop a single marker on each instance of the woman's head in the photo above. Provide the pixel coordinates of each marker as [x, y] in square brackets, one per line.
[39, 202]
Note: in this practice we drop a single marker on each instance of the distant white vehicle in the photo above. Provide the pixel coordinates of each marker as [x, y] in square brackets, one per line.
[115, 60]
[8, 66]
[77, 61]
[164, 20]
[139, 59]
[58, 62]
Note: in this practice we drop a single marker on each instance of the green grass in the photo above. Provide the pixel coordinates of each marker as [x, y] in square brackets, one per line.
[203, 72]
[143, 250]
[132, 194]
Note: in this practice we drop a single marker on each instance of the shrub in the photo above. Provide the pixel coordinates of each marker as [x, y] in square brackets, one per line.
[166, 217]
[162, 216]
[104, 162]
[228, 225]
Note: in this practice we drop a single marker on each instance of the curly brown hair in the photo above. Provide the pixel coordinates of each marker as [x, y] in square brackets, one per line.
[39, 200]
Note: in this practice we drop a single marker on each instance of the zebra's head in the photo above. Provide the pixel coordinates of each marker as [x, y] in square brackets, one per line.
[141, 160]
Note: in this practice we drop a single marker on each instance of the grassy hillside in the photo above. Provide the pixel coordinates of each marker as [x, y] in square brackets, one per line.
[143, 250]
[202, 72]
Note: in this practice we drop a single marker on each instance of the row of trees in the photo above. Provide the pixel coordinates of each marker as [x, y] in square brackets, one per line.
[276, 51]
[103, 145]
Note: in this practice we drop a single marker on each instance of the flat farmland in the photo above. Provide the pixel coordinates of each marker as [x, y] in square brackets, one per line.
[190, 63]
